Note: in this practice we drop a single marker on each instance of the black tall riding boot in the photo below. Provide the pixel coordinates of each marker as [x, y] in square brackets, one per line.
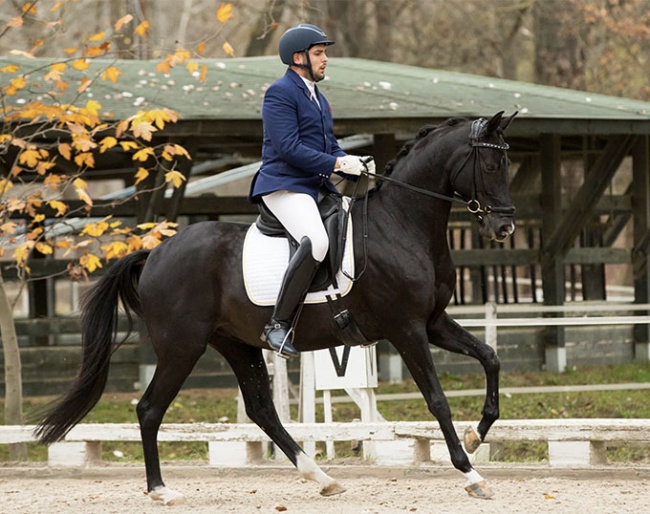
[278, 333]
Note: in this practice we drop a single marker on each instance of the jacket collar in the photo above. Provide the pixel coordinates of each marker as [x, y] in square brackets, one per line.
[297, 79]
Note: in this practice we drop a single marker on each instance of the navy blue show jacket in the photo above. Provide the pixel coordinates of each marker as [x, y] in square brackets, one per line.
[299, 150]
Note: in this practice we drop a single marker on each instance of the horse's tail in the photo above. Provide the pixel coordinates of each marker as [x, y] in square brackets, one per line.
[98, 332]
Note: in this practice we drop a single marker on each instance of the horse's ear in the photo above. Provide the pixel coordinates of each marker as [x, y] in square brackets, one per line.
[494, 123]
[505, 122]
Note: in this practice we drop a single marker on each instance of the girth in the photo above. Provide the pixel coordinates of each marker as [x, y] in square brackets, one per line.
[332, 213]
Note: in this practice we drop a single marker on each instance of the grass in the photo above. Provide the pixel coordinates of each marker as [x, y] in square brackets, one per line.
[212, 405]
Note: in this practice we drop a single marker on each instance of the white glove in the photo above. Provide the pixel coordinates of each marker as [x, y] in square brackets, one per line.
[354, 165]
[351, 165]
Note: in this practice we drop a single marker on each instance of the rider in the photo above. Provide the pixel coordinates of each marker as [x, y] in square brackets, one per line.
[299, 154]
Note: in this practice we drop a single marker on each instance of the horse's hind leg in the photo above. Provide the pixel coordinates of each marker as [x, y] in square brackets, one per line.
[176, 359]
[248, 365]
[449, 335]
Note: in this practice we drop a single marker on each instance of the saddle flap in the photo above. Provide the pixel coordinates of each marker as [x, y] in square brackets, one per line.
[332, 213]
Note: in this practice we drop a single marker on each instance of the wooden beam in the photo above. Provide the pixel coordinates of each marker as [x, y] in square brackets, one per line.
[581, 209]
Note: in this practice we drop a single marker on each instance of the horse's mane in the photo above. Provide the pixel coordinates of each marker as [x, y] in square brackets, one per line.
[424, 131]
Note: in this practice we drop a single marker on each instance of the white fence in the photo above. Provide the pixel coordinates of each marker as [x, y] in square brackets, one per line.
[571, 442]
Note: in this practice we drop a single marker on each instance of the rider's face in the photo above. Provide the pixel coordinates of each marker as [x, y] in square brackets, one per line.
[317, 58]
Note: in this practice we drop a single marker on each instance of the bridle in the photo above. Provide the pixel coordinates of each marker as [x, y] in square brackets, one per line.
[472, 205]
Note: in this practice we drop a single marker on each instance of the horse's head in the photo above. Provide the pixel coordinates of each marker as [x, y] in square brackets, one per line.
[482, 177]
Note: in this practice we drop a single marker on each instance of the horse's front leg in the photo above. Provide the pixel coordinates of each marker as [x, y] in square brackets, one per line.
[417, 357]
[449, 335]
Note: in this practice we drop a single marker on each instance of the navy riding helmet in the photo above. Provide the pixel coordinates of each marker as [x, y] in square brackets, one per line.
[300, 39]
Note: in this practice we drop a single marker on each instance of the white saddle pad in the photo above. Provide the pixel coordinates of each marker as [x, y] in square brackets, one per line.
[265, 259]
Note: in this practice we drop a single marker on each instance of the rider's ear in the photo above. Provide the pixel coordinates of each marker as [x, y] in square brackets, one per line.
[297, 58]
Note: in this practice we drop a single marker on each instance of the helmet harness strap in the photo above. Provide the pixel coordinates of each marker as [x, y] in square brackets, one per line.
[307, 66]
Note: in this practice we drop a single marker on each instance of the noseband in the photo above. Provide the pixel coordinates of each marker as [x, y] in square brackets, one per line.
[473, 205]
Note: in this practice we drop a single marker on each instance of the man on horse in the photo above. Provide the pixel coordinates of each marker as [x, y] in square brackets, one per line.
[299, 154]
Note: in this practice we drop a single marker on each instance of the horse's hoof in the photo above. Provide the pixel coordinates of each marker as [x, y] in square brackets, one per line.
[332, 488]
[471, 440]
[479, 490]
[166, 496]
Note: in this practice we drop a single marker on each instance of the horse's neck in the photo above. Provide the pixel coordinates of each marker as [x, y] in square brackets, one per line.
[414, 215]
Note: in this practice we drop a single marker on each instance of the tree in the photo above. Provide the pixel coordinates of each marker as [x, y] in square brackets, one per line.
[53, 134]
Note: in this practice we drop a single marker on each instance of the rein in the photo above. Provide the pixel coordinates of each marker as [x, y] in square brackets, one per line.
[473, 205]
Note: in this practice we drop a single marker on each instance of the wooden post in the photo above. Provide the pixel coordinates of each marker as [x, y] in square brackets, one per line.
[641, 254]
[552, 264]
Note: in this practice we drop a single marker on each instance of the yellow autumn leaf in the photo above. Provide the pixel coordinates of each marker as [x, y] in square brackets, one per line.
[106, 143]
[14, 86]
[93, 107]
[143, 155]
[163, 67]
[44, 166]
[143, 129]
[115, 250]
[165, 228]
[81, 64]
[134, 243]
[22, 251]
[10, 68]
[58, 206]
[128, 145]
[44, 248]
[85, 159]
[95, 229]
[150, 241]
[84, 84]
[122, 21]
[63, 244]
[97, 37]
[38, 218]
[31, 156]
[8, 228]
[140, 175]
[224, 12]
[192, 66]
[94, 51]
[56, 70]
[204, 72]
[228, 49]
[200, 48]
[111, 73]
[65, 150]
[53, 181]
[29, 8]
[90, 262]
[141, 29]
[175, 177]
[146, 226]
[70, 50]
[5, 185]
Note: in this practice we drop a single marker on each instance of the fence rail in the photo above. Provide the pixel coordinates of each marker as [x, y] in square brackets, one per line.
[571, 442]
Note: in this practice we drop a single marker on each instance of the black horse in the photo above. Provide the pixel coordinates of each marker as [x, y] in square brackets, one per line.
[190, 292]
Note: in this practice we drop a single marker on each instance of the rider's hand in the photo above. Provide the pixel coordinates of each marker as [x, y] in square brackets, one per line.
[350, 164]
[354, 165]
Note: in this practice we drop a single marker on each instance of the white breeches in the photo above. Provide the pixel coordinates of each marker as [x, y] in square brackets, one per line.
[299, 215]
